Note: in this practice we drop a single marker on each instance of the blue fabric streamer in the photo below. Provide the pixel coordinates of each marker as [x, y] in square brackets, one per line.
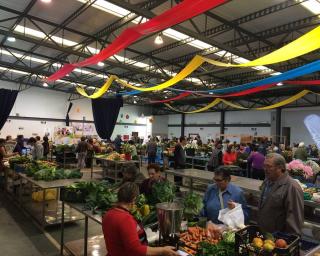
[291, 74]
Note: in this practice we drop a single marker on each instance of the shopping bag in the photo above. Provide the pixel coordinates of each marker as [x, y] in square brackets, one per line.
[233, 218]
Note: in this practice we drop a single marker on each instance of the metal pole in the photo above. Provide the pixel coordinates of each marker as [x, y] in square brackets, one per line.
[183, 123]
[85, 251]
[278, 125]
[62, 229]
[222, 123]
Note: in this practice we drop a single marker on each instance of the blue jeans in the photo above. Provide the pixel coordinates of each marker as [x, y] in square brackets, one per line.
[151, 159]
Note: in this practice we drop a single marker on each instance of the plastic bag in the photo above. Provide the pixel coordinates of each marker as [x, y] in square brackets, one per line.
[233, 218]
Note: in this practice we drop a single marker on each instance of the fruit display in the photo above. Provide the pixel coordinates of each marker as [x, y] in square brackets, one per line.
[114, 156]
[251, 241]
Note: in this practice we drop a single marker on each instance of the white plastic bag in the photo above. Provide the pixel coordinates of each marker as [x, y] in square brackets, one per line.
[232, 218]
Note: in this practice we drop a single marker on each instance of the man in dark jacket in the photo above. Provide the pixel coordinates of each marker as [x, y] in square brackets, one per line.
[117, 143]
[151, 151]
[281, 206]
[180, 154]
[216, 158]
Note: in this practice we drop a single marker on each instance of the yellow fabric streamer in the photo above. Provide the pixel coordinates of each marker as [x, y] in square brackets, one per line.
[218, 100]
[304, 44]
[100, 92]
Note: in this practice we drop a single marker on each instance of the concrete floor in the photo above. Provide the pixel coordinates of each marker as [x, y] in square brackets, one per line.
[19, 236]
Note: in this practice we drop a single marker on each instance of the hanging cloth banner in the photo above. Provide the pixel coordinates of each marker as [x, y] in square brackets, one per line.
[304, 44]
[242, 93]
[183, 11]
[180, 96]
[300, 71]
[218, 100]
[98, 93]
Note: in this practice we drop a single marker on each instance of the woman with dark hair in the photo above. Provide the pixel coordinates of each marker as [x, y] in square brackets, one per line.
[20, 145]
[222, 194]
[230, 156]
[154, 173]
[123, 234]
[3, 154]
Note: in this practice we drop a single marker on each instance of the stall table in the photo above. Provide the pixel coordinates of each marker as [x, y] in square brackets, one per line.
[86, 246]
[45, 212]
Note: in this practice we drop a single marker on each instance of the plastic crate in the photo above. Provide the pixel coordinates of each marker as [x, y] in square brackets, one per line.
[19, 168]
[245, 236]
[72, 195]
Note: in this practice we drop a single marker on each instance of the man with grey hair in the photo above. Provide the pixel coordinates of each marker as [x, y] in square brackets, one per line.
[281, 206]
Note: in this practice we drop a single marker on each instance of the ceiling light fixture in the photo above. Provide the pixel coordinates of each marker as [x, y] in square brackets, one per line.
[100, 64]
[46, 1]
[279, 84]
[45, 85]
[11, 39]
[134, 102]
[158, 39]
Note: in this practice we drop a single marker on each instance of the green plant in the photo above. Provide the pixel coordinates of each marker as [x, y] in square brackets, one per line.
[127, 149]
[192, 205]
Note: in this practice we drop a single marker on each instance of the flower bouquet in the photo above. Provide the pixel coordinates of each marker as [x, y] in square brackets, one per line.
[191, 149]
[299, 170]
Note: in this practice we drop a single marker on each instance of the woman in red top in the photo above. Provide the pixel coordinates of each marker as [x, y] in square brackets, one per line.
[230, 156]
[122, 234]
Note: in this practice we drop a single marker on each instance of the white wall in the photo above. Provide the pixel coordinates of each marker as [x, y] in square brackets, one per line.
[160, 125]
[44, 103]
[294, 118]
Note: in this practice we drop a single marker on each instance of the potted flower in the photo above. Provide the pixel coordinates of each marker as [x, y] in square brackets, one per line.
[127, 150]
[191, 149]
[299, 170]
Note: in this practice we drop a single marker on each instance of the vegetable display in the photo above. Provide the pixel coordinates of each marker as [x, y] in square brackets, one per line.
[18, 160]
[34, 166]
[220, 249]
[51, 174]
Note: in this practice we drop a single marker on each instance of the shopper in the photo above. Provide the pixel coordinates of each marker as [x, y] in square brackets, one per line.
[230, 156]
[123, 234]
[130, 173]
[4, 154]
[151, 151]
[314, 151]
[180, 154]
[301, 152]
[20, 145]
[37, 149]
[154, 173]
[46, 147]
[216, 158]
[82, 149]
[221, 195]
[10, 144]
[255, 163]
[90, 153]
[117, 143]
[134, 154]
[281, 206]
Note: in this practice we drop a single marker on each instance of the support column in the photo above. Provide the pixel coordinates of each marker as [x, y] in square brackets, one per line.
[222, 123]
[183, 123]
[278, 124]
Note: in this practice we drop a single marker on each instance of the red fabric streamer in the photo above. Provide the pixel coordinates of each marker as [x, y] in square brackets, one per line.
[180, 96]
[245, 92]
[179, 13]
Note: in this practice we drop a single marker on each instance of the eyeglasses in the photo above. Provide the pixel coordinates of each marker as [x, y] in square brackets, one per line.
[218, 180]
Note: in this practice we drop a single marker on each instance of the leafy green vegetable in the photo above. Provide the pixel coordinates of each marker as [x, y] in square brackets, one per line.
[229, 237]
[220, 249]
[162, 192]
[192, 205]
[18, 160]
